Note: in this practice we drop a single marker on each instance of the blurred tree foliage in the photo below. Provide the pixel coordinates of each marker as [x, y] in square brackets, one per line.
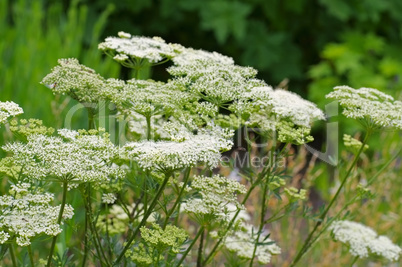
[346, 40]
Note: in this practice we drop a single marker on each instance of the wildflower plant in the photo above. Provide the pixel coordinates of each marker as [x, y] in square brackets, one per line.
[163, 196]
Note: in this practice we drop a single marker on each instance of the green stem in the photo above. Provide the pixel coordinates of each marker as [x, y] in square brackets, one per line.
[92, 227]
[86, 245]
[91, 118]
[263, 211]
[63, 204]
[354, 261]
[144, 219]
[170, 212]
[184, 255]
[308, 243]
[148, 119]
[12, 255]
[31, 255]
[199, 257]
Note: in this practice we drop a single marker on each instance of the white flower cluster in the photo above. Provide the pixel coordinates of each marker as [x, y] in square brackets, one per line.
[374, 107]
[75, 80]
[215, 82]
[129, 49]
[147, 98]
[109, 198]
[9, 109]
[81, 158]
[27, 215]
[187, 56]
[282, 111]
[242, 243]
[187, 152]
[218, 196]
[363, 240]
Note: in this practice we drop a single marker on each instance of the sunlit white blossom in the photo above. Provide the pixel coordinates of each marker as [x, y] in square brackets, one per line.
[153, 49]
[373, 107]
[363, 240]
[242, 242]
[189, 55]
[28, 215]
[9, 109]
[218, 198]
[83, 158]
[75, 80]
[205, 147]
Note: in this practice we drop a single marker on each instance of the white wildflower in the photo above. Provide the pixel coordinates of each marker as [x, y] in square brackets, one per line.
[364, 241]
[373, 107]
[153, 50]
[87, 158]
[124, 35]
[170, 155]
[109, 198]
[218, 198]
[75, 80]
[242, 242]
[215, 82]
[9, 109]
[67, 133]
[189, 55]
[28, 216]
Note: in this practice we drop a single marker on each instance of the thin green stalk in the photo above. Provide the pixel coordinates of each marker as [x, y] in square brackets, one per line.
[63, 204]
[144, 219]
[199, 257]
[91, 118]
[170, 212]
[12, 255]
[184, 255]
[263, 211]
[148, 119]
[92, 227]
[354, 261]
[31, 255]
[308, 243]
[213, 251]
[84, 258]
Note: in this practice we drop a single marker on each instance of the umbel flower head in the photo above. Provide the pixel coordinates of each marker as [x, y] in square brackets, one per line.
[373, 108]
[280, 111]
[363, 240]
[242, 242]
[131, 51]
[188, 56]
[186, 151]
[76, 80]
[215, 82]
[73, 157]
[9, 109]
[147, 98]
[26, 215]
[217, 193]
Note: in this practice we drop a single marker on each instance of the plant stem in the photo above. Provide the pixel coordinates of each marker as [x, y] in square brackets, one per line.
[92, 227]
[148, 119]
[263, 211]
[185, 180]
[199, 257]
[308, 242]
[144, 219]
[200, 231]
[354, 261]
[31, 256]
[12, 255]
[84, 258]
[91, 118]
[63, 204]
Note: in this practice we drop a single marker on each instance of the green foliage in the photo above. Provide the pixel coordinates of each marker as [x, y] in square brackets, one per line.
[34, 35]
